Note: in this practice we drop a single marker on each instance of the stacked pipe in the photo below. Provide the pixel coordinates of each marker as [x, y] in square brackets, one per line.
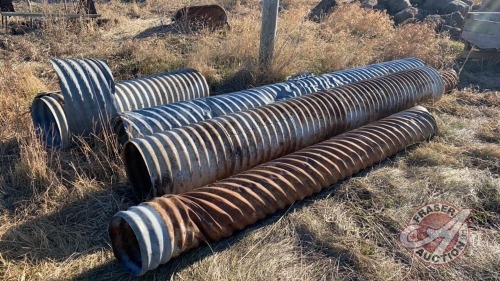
[132, 124]
[194, 155]
[450, 78]
[90, 98]
[145, 236]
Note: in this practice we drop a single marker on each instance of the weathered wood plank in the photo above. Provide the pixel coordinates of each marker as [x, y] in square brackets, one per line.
[484, 27]
[483, 41]
[485, 16]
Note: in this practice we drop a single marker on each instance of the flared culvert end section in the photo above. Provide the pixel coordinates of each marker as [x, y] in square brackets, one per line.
[140, 239]
[49, 121]
[137, 171]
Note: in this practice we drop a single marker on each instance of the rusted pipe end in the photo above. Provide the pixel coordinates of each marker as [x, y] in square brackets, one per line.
[49, 120]
[137, 170]
[450, 78]
[140, 239]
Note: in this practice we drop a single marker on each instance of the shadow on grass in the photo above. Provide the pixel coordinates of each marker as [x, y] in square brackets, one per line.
[76, 229]
[159, 31]
[480, 74]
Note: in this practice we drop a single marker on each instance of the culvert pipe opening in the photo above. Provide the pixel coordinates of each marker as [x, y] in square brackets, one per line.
[137, 171]
[140, 239]
[49, 121]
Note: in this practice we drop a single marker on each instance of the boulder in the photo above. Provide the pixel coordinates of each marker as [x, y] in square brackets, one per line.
[417, 3]
[396, 6]
[324, 7]
[409, 13]
[457, 6]
[455, 19]
[435, 20]
[436, 6]
[454, 32]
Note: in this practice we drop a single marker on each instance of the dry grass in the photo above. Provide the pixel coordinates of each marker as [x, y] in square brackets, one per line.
[54, 207]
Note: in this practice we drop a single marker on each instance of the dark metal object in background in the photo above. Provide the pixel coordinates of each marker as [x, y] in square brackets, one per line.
[450, 78]
[6, 6]
[192, 156]
[145, 122]
[199, 17]
[145, 236]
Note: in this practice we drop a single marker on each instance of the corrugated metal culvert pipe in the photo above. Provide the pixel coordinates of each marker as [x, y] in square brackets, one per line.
[145, 236]
[88, 90]
[192, 156]
[145, 122]
[160, 89]
[450, 78]
[49, 120]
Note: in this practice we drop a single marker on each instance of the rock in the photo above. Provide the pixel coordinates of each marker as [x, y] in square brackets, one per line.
[396, 6]
[409, 13]
[453, 31]
[381, 5]
[369, 3]
[436, 6]
[457, 6]
[475, 7]
[324, 7]
[435, 20]
[417, 3]
[456, 19]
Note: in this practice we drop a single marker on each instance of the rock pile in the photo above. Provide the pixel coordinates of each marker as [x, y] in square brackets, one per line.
[447, 15]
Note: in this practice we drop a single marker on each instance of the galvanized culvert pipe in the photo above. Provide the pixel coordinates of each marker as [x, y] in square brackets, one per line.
[145, 236]
[192, 156]
[89, 96]
[49, 120]
[160, 89]
[450, 78]
[133, 124]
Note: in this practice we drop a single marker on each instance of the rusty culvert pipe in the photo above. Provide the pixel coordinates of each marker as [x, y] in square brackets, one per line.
[450, 78]
[145, 236]
[138, 123]
[92, 98]
[192, 156]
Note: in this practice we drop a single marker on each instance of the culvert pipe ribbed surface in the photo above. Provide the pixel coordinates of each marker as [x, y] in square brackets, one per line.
[49, 120]
[89, 90]
[450, 78]
[133, 124]
[160, 89]
[145, 236]
[87, 86]
[192, 156]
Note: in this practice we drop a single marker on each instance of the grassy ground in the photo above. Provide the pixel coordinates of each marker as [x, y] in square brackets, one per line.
[54, 207]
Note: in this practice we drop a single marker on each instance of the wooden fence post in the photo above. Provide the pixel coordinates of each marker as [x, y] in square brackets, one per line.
[268, 32]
